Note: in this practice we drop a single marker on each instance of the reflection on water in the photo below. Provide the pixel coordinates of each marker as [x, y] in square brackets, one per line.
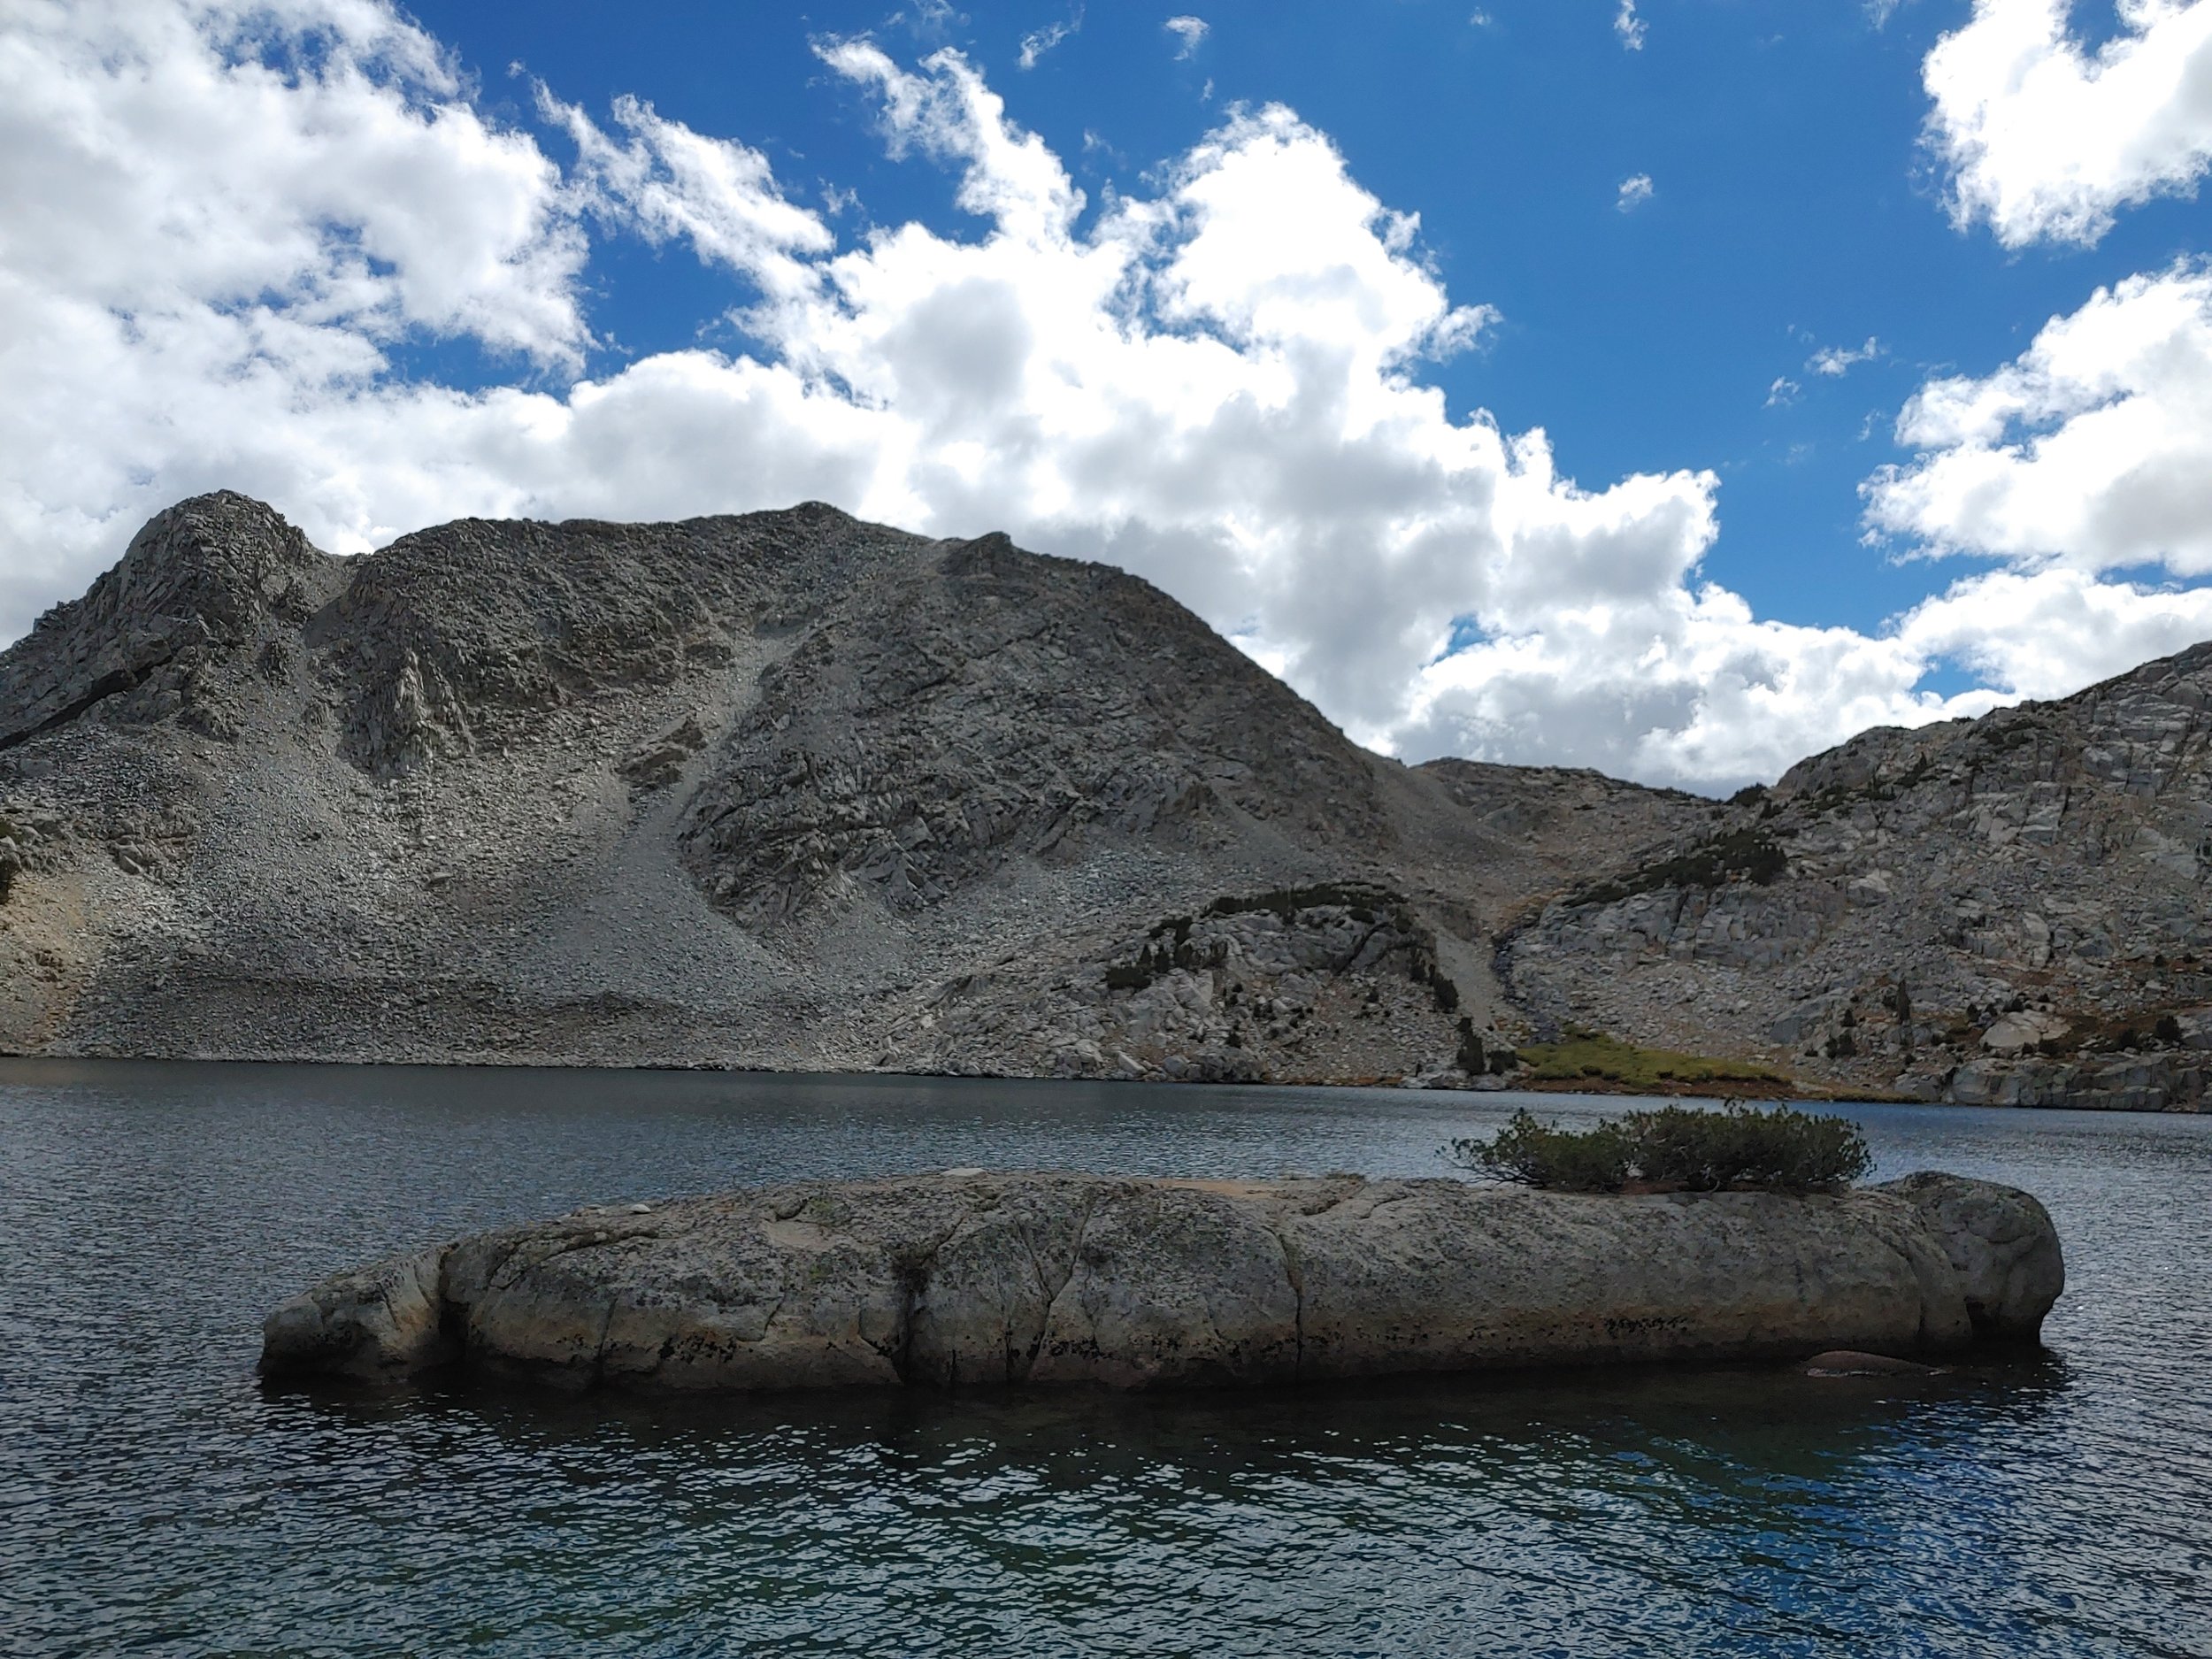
[154, 1497]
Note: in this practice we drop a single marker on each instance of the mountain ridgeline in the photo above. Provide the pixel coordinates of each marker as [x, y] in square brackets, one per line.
[791, 790]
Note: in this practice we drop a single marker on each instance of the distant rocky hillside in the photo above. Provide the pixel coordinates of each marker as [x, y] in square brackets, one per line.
[2010, 909]
[791, 790]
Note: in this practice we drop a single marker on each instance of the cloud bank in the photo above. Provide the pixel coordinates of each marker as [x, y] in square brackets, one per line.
[211, 275]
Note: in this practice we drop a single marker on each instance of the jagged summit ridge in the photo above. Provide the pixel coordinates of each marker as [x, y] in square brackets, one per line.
[201, 582]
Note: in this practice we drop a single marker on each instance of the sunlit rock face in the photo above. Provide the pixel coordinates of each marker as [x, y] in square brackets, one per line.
[2007, 910]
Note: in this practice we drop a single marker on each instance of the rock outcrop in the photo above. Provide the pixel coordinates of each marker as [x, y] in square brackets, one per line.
[206, 597]
[975, 1278]
[2008, 910]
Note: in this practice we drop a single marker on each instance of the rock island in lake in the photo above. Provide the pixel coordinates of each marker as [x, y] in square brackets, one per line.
[974, 1278]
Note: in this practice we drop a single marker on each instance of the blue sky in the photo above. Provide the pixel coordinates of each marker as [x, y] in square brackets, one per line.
[1732, 257]
[1793, 206]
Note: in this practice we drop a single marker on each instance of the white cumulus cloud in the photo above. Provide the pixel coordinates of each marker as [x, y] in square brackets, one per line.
[2044, 140]
[664, 182]
[1837, 361]
[1634, 192]
[2092, 449]
[157, 159]
[1629, 27]
[216, 247]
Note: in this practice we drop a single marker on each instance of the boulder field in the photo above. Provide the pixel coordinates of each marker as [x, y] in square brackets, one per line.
[970, 1278]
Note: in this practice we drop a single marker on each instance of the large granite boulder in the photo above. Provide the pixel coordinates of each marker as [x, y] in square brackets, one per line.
[973, 1277]
[2001, 1243]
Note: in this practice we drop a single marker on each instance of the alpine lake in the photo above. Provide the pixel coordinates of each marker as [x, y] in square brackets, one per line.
[156, 1497]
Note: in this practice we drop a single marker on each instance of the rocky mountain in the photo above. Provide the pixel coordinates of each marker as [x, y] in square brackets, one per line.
[779, 790]
[791, 790]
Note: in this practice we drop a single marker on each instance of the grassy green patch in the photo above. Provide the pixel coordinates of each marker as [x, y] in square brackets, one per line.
[1593, 1056]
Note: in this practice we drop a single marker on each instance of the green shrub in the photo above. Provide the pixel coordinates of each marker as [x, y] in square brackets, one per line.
[1675, 1149]
[1743, 855]
[1539, 1155]
[1704, 1151]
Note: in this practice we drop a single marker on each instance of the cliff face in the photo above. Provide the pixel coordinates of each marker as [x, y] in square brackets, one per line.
[791, 790]
[2010, 909]
[780, 790]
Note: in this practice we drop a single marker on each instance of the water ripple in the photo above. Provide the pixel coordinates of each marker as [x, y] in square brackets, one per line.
[155, 1499]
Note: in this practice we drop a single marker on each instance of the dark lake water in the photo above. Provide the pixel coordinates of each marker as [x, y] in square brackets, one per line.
[154, 1499]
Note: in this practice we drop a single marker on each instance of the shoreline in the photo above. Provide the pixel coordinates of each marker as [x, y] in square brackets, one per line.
[1593, 1088]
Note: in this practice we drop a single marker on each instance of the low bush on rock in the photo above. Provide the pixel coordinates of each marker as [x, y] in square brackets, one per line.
[1675, 1149]
[1599, 1160]
[1741, 1145]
